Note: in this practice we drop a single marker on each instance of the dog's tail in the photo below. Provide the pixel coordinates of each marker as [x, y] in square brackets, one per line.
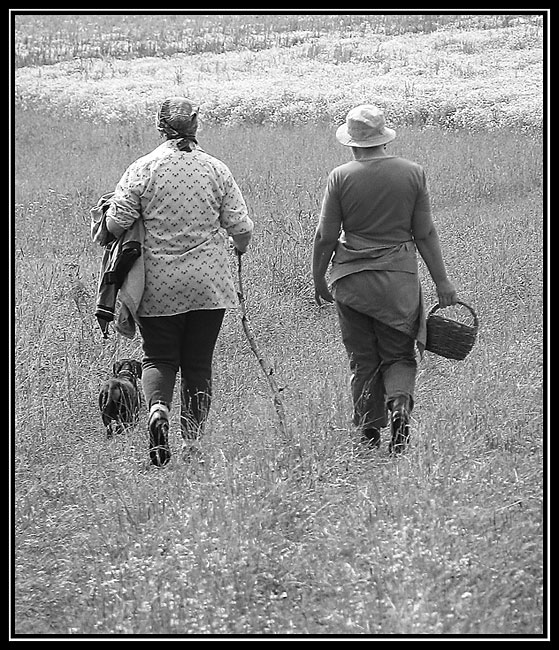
[109, 403]
[114, 394]
[109, 399]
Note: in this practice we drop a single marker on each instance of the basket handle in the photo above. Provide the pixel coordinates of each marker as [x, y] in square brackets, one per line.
[434, 308]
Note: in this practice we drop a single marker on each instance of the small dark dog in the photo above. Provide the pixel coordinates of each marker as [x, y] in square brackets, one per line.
[119, 399]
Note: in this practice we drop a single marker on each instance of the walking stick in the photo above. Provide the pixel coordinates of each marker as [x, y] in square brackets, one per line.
[264, 364]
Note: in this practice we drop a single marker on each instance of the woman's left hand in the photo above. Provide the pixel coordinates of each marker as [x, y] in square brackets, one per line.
[446, 294]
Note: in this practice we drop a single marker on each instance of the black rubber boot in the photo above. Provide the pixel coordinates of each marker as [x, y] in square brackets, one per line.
[371, 437]
[399, 425]
[159, 452]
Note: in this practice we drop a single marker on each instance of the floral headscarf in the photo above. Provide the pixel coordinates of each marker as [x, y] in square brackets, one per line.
[178, 120]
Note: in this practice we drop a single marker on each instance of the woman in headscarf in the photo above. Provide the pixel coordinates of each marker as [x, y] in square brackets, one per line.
[189, 203]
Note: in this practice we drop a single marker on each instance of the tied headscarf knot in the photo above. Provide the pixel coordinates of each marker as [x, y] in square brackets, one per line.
[177, 120]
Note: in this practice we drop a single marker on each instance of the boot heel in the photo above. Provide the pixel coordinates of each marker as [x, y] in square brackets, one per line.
[400, 426]
[159, 452]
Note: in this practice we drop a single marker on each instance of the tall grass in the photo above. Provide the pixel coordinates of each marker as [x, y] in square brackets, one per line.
[295, 535]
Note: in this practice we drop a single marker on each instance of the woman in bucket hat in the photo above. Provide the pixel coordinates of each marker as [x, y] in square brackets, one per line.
[375, 215]
[189, 202]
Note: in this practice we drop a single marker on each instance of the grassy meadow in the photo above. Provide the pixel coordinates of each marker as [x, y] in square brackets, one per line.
[295, 533]
[303, 535]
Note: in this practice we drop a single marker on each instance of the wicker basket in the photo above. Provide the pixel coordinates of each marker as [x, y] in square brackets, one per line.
[449, 338]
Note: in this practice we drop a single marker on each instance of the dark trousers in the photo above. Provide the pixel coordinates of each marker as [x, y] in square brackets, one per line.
[186, 342]
[383, 364]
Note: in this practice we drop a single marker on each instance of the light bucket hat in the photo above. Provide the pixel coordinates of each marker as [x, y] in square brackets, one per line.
[364, 127]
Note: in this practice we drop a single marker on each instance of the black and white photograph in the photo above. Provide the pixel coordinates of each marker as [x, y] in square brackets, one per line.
[279, 332]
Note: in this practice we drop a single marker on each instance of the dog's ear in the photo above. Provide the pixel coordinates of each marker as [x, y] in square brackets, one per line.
[138, 369]
[117, 365]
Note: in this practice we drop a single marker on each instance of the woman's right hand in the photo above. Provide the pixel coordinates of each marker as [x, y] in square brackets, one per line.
[322, 292]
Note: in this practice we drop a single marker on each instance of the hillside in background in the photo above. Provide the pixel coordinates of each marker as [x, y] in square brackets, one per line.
[466, 72]
[43, 39]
